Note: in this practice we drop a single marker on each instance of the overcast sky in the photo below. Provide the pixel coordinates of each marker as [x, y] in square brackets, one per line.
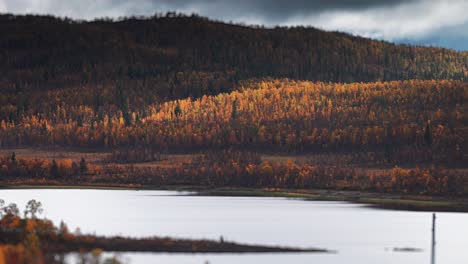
[438, 22]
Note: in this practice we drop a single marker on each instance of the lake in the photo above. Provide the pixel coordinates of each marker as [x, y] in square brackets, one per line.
[358, 233]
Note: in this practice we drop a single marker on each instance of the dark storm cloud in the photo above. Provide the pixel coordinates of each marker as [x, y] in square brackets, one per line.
[268, 11]
[273, 11]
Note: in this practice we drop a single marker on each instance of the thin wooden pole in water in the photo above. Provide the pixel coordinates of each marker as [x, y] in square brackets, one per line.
[433, 239]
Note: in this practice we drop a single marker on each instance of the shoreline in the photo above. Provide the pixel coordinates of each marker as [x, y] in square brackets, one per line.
[387, 201]
[78, 243]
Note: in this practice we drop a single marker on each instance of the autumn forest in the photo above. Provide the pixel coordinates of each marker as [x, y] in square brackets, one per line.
[174, 133]
[341, 111]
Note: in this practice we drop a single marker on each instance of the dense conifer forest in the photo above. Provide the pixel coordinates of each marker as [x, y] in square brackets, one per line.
[175, 56]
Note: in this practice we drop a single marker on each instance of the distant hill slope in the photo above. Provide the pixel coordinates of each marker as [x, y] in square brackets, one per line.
[181, 56]
[405, 119]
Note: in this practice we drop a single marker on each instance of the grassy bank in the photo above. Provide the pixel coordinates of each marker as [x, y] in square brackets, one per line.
[376, 200]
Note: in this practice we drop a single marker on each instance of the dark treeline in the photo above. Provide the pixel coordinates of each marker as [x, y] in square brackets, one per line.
[176, 56]
[239, 169]
[128, 155]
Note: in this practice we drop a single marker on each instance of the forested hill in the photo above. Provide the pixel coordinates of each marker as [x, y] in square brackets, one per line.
[176, 56]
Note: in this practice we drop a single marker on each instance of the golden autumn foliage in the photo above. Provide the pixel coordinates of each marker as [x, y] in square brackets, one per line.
[245, 169]
[400, 118]
[29, 251]
[31, 240]
[12, 254]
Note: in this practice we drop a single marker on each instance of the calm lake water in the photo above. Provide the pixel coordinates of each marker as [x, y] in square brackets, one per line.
[359, 234]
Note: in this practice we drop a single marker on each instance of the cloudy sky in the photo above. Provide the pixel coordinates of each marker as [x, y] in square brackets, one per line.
[432, 22]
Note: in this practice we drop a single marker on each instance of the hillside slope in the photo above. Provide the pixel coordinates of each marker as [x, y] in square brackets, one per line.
[402, 120]
[178, 56]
